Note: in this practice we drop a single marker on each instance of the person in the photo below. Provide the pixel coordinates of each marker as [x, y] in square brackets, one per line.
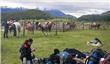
[26, 51]
[55, 58]
[96, 55]
[14, 30]
[72, 55]
[6, 27]
[105, 59]
[95, 42]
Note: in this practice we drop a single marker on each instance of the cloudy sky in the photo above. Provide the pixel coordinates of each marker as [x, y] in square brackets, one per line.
[72, 7]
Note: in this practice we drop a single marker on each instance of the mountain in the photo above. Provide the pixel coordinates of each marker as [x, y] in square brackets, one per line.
[59, 14]
[23, 13]
[106, 13]
[8, 9]
[28, 14]
[96, 17]
[56, 13]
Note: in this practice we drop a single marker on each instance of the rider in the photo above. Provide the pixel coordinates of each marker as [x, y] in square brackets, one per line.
[26, 51]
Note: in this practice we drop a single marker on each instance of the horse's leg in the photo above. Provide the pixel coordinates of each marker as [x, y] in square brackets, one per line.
[98, 26]
[18, 32]
[49, 28]
[15, 32]
[33, 30]
[10, 31]
[44, 31]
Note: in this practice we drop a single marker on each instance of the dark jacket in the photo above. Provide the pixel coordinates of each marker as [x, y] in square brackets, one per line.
[55, 58]
[25, 51]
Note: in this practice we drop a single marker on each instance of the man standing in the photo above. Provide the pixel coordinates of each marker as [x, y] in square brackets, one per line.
[14, 30]
[6, 27]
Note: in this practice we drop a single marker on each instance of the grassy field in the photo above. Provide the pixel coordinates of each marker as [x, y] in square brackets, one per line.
[45, 45]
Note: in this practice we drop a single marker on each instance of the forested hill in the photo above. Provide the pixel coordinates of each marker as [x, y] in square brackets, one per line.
[23, 13]
[96, 17]
[28, 14]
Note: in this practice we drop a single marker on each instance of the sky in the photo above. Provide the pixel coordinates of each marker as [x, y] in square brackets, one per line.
[73, 7]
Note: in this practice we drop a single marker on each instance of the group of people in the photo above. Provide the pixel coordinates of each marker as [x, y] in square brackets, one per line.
[13, 26]
[9, 26]
[68, 56]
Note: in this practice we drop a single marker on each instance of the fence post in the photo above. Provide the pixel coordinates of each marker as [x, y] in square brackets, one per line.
[33, 24]
[23, 28]
[56, 32]
[63, 26]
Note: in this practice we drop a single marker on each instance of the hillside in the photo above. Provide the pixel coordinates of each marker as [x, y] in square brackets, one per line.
[59, 14]
[23, 13]
[96, 17]
[28, 14]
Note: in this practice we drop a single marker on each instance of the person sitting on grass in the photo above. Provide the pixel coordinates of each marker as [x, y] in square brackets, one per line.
[55, 58]
[26, 51]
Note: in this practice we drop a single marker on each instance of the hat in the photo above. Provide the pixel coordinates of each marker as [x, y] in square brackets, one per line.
[30, 40]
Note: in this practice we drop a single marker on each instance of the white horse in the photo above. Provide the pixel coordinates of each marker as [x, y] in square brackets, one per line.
[14, 25]
[18, 27]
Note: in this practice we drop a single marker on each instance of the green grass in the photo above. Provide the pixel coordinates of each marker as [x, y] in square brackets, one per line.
[45, 45]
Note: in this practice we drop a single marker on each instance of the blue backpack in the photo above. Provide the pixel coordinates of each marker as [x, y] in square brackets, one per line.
[95, 56]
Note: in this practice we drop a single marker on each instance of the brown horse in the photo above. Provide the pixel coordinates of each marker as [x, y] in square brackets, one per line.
[29, 26]
[46, 27]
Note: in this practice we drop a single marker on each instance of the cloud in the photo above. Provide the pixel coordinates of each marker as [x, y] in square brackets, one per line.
[73, 7]
[56, 1]
[86, 12]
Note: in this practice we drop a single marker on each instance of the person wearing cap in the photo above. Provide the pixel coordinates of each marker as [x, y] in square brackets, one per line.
[26, 51]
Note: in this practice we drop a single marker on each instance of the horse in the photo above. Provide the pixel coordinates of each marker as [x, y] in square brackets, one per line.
[29, 26]
[70, 25]
[95, 26]
[15, 26]
[46, 27]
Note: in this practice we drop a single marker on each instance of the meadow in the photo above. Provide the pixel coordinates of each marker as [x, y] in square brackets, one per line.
[44, 45]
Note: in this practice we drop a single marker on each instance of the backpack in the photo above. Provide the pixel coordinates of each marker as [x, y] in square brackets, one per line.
[95, 56]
